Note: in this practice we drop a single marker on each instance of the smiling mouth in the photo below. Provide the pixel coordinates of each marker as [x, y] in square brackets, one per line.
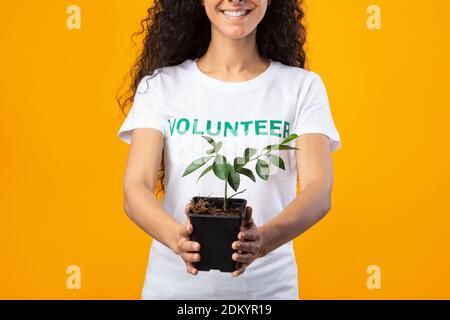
[236, 13]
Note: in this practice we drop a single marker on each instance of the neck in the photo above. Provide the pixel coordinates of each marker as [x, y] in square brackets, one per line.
[232, 56]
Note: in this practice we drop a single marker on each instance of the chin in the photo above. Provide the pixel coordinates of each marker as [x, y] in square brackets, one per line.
[236, 36]
[235, 33]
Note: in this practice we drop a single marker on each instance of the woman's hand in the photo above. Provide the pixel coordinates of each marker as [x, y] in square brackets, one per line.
[250, 244]
[184, 247]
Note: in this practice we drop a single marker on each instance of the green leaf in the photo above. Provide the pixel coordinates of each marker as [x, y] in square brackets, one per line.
[220, 167]
[279, 147]
[289, 138]
[218, 146]
[233, 178]
[196, 164]
[248, 173]
[269, 147]
[239, 162]
[210, 140]
[248, 153]
[262, 169]
[205, 172]
[284, 147]
[276, 160]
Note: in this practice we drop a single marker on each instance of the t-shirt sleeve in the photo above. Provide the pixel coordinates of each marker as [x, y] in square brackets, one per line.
[145, 111]
[314, 113]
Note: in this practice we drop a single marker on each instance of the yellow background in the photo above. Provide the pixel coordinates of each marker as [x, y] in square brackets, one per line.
[62, 164]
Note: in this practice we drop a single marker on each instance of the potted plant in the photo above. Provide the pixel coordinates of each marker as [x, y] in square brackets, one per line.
[217, 220]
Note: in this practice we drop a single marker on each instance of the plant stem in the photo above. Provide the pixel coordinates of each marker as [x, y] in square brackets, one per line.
[225, 198]
[237, 193]
[260, 155]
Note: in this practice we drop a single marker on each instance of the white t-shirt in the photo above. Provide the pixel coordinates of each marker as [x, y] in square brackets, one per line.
[184, 103]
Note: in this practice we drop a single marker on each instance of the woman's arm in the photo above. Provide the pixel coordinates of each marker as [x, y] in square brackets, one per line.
[141, 173]
[315, 170]
[141, 204]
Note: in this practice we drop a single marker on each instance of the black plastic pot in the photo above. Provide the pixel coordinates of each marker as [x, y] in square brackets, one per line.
[216, 234]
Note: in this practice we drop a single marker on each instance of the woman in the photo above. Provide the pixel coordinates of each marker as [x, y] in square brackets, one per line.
[207, 65]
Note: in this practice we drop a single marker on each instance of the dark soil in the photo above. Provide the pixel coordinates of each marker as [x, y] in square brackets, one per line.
[202, 206]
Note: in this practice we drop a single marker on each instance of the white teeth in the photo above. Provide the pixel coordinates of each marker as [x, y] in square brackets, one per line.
[235, 13]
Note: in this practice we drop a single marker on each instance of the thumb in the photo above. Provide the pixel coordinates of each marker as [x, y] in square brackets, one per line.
[187, 211]
[248, 214]
[187, 208]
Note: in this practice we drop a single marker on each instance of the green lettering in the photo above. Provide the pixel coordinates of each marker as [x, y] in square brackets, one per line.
[172, 126]
[246, 125]
[186, 127]
[259, 125]
[273, 127]
[234, 130]
[194, 129]
[208, 128]
[286, 129]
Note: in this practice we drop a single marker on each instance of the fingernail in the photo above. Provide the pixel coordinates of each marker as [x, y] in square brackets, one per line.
[197, 247]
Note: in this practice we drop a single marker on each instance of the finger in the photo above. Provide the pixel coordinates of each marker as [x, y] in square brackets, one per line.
[191, 269]
[249, 234]
[189, 246]
[240, 270]
[245, 246]
[242, 257]
[190, 257]
[187, 229]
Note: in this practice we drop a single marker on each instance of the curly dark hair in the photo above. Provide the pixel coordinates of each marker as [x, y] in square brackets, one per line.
[176, 30]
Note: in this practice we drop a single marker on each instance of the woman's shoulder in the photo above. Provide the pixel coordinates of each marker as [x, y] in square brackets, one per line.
[294, 71]
[163, 76]
[296, 76]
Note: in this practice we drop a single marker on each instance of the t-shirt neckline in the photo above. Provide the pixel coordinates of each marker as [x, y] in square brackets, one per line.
[229, 85]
